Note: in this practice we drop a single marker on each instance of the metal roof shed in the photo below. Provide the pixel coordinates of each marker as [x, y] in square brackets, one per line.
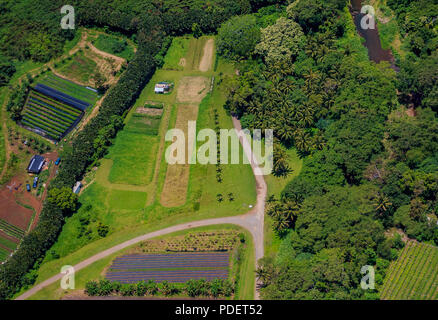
[35, 164]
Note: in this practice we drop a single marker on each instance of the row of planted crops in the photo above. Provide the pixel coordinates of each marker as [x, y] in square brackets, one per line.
[414, 275]
[48, 115]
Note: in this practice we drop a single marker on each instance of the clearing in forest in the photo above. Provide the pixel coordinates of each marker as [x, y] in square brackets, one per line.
[414, 275]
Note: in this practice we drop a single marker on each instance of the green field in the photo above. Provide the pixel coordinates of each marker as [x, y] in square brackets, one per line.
[133, 158]
[68, 87]
[80, 68]
[178, 50]
[414, 275]
[114, 45]
[7, 243]
[3, 254]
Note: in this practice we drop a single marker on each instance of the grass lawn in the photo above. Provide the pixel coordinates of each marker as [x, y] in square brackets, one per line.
[106, 202]
[244, 290]
[133, 158]
[174, 59]
[127, 200]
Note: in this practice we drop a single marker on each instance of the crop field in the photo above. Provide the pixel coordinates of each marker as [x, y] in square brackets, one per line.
[177, 176]
[414, 275]
[48, 116]
[80, 68]
[10, 236]
[55, 105]
[177, 268]
[68, 87]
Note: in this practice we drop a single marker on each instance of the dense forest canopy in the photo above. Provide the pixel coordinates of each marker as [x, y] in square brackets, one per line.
[368, 165]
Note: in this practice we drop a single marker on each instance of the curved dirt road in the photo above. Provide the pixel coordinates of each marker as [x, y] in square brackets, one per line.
[252, 221]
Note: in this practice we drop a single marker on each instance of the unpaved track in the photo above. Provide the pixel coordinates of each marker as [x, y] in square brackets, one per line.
[207, 56]
[252, 221]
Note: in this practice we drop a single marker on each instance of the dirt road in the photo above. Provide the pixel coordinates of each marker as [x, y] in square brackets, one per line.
[252, 221]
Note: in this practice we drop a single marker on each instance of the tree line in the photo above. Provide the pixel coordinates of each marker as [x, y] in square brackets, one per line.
[193, 288]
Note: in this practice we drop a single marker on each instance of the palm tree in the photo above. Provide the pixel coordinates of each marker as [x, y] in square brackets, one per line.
[381, 203]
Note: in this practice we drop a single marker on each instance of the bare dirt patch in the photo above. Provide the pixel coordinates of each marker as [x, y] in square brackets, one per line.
[192, 89]
[177, 176]
[207, 56]
[149, 111]
[12, 212]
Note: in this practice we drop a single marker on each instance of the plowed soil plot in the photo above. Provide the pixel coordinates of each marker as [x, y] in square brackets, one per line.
[170, 267]
[11, 212]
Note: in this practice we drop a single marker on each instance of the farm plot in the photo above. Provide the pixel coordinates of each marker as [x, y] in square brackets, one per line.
[414, 275]
[145, 121]
[48, 116]
[70, 88]
[80, 68]
[177, 268]
[133, 158]
[177, 175]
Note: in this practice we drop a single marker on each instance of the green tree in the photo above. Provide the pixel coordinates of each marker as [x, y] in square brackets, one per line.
[63, 198]
[238, 37]
[281, 42]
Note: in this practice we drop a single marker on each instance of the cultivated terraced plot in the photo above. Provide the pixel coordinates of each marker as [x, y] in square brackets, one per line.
[414, 275]
[177, 268]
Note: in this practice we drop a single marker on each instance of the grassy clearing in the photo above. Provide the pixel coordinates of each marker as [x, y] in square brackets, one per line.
[413, 276]
[201, 191]
[114, 45]
[174, 59]
[133, 158]
[194, 55]
[246, 275]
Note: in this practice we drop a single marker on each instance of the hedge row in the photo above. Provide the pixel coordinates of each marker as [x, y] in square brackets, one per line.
[192, 288]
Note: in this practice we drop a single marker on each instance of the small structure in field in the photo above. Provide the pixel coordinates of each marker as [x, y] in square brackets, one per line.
[77, 187]
[163, 87]
[36, 164]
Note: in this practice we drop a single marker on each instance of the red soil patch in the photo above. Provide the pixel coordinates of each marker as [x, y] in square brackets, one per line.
[14, 190]
[11, 212]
